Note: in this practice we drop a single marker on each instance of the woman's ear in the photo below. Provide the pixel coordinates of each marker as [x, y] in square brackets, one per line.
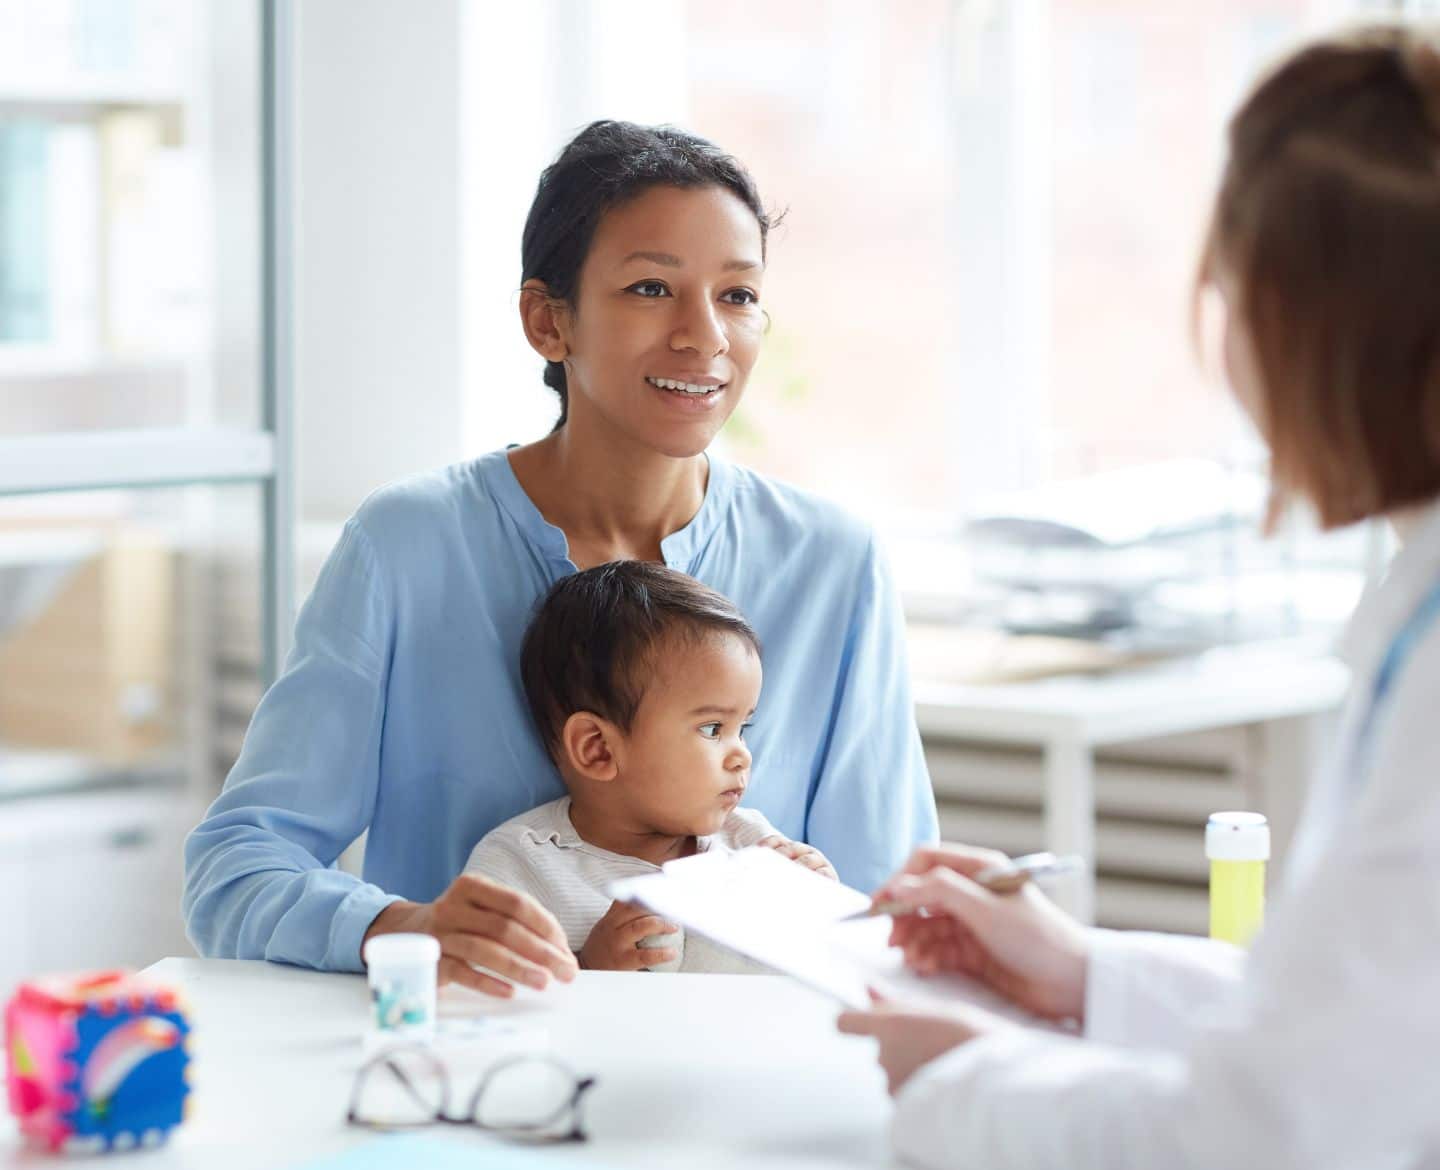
[542, 316]
[590, 743]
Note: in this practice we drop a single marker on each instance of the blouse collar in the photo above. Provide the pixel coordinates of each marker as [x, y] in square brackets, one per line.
[681, 548]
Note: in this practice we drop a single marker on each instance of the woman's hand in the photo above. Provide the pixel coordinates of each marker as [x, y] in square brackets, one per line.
[614, 941]
[481, 922]
[911, 1037]
[806, 855]
[1022, 945]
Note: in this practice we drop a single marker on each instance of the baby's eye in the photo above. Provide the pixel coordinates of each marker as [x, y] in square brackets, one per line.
[710, 730]
[741, 296]
[650, 289]
[744, 727]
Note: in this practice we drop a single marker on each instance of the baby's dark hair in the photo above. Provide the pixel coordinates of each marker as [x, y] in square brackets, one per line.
[595, 633]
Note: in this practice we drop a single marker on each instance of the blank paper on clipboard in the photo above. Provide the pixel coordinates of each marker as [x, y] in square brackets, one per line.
[783, 915]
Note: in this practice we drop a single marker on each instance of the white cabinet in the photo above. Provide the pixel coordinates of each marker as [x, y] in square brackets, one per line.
[20, 913]
[92, 880]
[1151, 799]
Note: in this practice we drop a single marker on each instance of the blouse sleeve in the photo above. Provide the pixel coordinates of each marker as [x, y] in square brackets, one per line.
[260, 881]
[872, 803]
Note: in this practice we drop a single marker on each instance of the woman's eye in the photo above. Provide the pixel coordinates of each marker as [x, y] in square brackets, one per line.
[741, 296]
[649, 288]
[710, 730]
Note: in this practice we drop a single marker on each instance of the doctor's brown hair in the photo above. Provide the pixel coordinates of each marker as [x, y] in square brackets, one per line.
[1328, 221]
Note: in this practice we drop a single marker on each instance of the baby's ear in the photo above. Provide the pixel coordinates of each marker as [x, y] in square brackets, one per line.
[589, 743]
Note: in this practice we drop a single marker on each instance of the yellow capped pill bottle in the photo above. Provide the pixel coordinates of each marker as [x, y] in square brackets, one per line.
[1238, 846]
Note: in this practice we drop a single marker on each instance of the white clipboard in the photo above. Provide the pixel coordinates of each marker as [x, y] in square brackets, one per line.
[781, 914]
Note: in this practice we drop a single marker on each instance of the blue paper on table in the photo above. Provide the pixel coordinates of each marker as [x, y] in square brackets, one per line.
[417, 1151]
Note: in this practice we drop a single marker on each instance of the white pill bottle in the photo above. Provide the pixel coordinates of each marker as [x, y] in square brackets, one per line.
[402, 970]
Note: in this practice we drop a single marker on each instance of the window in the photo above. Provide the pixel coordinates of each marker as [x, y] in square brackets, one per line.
[136, 529]
[129, 636]
[129, 220]
[983, 280]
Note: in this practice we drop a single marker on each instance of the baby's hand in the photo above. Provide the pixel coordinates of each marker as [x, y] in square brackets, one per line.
[807, 856]
[614, 942]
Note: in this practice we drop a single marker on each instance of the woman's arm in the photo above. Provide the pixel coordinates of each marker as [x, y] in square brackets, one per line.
[873, 803]
[258, 876]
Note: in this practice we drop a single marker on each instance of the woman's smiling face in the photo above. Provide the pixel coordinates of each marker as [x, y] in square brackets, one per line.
[668, 323]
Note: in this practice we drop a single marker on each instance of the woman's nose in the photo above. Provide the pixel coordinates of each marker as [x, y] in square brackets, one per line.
[701, 330]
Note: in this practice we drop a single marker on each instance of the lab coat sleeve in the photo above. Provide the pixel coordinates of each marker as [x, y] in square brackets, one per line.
[260, 881]
[1148, 990]
[1322, 1057]
[872, 803]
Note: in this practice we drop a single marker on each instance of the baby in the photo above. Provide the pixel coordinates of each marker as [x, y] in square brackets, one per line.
[641, 682]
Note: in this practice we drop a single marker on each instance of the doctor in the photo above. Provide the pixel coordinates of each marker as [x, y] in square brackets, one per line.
[1322, 1049]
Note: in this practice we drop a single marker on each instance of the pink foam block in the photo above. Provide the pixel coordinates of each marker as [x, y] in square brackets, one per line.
[96, 1060]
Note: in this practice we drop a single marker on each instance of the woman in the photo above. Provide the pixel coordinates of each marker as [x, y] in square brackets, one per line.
[400, 710]
[1319, 1051]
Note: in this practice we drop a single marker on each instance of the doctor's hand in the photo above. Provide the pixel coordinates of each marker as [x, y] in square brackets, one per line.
[911, 1037]
[1022, 945]
[480, 922]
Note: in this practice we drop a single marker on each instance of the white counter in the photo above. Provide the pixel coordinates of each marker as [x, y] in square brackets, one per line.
[694, 1071]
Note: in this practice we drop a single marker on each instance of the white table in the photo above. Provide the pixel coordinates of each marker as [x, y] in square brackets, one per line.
[1071, 716]
[694, 1071]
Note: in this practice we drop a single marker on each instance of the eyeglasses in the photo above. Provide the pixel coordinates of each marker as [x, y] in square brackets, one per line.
[530, 1097]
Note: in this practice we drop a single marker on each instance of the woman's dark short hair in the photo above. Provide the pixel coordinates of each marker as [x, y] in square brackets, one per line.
[605, 165]
[592, 642]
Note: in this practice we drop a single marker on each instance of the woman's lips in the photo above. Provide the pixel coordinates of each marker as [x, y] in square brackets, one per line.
[691, 403]
[696, 385]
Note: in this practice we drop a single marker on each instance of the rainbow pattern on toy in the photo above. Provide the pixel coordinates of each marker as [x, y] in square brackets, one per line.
[96, 1061]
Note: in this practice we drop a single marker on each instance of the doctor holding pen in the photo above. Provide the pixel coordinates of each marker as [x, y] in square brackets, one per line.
[1319, 1050]
[400, 711]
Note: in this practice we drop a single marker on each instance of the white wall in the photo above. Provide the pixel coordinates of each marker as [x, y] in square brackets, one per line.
[532, 75]
[421, 133]
[378, 246]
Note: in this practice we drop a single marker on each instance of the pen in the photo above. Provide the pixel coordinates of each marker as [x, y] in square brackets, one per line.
[1004, 878]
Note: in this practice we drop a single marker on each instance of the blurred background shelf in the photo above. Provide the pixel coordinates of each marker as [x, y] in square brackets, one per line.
[83, 97]
[133, 458]
[29, 773]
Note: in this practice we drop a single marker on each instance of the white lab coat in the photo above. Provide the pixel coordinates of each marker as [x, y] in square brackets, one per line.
[1321, 1050]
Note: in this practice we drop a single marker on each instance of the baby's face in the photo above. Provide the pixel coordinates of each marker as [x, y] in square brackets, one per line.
[684, 765]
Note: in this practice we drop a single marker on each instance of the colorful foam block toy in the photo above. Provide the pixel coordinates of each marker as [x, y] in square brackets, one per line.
[96, 1061]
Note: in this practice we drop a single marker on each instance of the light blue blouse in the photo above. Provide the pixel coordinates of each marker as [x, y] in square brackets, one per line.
[400, 708]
